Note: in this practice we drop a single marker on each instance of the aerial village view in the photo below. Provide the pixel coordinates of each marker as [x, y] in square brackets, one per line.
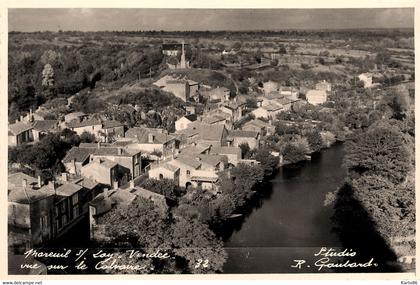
[200, 151]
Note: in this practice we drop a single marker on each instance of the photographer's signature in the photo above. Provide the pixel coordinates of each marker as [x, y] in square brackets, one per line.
[331, 258]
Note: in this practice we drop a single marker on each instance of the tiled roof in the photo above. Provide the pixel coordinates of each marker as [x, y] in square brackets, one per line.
[188, 160]
[192, 150]
[258, 123]
[226, 150]
[208, 132]
[68, 189]
[114, 151]
[78, 154]
[170, 167]
[240, 133]
[147, 194]
[84, 123]
[45, 125]
[142, 135]
[111, 124]
[103, 162]
[272, 107]
[211, 159]
[19, 194]
[18, 128]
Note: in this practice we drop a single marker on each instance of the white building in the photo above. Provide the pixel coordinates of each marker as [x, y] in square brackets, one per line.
[316, 97]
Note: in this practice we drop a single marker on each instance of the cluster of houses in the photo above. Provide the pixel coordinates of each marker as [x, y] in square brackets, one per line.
[102, 175]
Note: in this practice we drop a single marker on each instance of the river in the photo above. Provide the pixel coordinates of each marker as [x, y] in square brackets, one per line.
[289, 221]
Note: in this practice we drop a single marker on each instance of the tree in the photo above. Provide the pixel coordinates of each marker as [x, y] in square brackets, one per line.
[140, 225]
[165, 187]
[381, 151]
[314, 140]
[87, 137]
[198, 245]
[293, 153]
[48, 76]
[268, 162]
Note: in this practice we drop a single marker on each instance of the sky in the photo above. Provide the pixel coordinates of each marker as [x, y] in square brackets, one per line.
[97, 19]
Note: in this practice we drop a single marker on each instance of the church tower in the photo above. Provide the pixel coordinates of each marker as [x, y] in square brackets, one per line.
[183, 62]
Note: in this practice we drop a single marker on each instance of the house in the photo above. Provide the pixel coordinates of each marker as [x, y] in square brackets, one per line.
[152, 141]
[39, 115]
[238, 137]
[172, 49]
[289, 93]
[233, 109]
[92, 126]
[78, 116]
[268, 111]
[39, 213]
[183, 122]
[112, 129]
[70, 205]
[367, 79]
[180, 87]
[323, 85]
[129, 160]
[20, 133]
[214, 135]
[42, 128]
[270, 86]
[187, 164]
[159, 200]
[196, 149]
[104, 171]
[212, 162]
[316, 97]
[30, 211]
[105, 130]
[233, 154]
[259, 126]
[165, 170]
[76, 158]
[218, 94]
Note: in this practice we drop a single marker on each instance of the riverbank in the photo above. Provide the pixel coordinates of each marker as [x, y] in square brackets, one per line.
[287, 219]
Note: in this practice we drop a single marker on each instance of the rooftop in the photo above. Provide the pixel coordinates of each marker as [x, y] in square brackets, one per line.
[18, 128]
[45, 125]
[226, 150]
[79, 154]
[240, 133]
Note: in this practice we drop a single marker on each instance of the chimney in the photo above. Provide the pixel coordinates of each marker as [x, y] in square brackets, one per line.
[39, 181]
[99, 144]
[21, 118]
[24, 183]
[115, 184]
[132, 184]
[105, 192]
[31, 115]
[51, 185]
[64, 176]
[151, 138]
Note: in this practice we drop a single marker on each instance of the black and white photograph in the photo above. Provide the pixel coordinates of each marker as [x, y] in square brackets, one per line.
[222, 141]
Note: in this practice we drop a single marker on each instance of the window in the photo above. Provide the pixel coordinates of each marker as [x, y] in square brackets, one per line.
[161, 176]
[64, 219]
[75, 199]
[188, 173]
[63, 207]
[75, 212]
